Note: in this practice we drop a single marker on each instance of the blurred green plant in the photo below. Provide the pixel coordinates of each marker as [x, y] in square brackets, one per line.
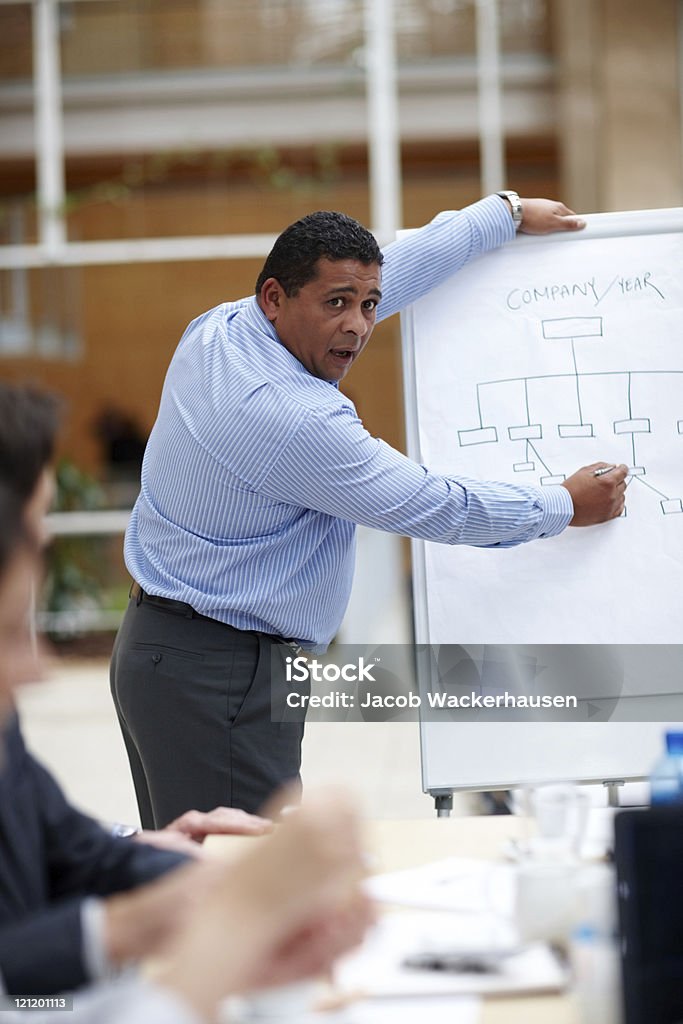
[76, 564]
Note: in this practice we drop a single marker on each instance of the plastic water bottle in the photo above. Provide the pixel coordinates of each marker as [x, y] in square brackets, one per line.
[596, 974]
[666, 779]
[594, 949]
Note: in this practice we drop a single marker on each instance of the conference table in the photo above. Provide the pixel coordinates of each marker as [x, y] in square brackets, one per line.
[397, 844]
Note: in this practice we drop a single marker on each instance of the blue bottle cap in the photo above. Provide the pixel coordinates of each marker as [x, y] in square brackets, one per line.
[674, 742]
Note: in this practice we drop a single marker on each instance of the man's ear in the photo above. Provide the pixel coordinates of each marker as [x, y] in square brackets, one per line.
[271, 297]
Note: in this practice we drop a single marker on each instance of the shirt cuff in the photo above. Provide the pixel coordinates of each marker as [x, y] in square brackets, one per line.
[558, 510]
[96, 963]
[492, 221]
[133, 1000]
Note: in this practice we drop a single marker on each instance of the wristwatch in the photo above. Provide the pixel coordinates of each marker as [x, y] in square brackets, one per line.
[515, 205]
[123, 831]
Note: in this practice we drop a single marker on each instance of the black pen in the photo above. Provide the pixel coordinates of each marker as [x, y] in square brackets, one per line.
[454, 963]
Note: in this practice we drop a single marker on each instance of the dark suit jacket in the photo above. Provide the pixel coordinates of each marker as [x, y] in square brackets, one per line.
[51, 858]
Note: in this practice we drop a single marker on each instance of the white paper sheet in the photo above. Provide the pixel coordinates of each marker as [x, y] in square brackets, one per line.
[530, 363]
[377, 969]
[455, 883]
[435, 1009]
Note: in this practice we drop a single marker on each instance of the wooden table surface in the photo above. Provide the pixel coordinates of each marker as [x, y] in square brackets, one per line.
[397, 844]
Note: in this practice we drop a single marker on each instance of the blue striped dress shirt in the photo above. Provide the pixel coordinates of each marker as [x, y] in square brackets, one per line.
[256, 472]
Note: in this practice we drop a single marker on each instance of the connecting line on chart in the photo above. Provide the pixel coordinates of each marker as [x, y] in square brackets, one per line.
[530, 465]
[570, 329]
[630, 416]
[487, 434]
[670, 506]
[578, 389]
[534, 432]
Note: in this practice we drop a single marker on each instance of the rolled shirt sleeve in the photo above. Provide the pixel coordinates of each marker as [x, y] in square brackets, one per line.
[333, 465]
[418, 262]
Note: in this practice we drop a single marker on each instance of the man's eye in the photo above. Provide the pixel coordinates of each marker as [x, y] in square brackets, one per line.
[370, 304]
[337, 302]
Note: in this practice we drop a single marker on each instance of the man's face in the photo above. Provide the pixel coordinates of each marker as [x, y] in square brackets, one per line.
[328, 323]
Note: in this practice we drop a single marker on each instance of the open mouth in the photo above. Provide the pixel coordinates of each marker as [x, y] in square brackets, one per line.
[345, 355]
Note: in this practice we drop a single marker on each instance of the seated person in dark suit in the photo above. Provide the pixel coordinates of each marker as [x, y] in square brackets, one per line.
[281, 913]
[53, 861]
[59, 869]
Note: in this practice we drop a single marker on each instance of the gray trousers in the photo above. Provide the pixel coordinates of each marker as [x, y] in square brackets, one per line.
[198, 706]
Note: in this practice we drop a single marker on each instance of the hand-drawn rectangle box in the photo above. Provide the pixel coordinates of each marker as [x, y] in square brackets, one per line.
[523, 467]
[575, 429]
[484, 435]
[680, 426]
[641, 426]
[527, 432]
[671, 505]
[572, 327]
[548, 481]
[636, 470]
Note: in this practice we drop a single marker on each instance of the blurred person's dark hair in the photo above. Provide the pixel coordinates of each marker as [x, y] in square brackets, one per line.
[29, 421]
[323, 235]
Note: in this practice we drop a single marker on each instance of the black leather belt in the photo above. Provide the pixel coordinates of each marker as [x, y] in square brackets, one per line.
[168, 604]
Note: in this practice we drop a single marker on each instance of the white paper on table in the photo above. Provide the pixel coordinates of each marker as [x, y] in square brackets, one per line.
[377, 968]
[435, 1009]
[455, 883]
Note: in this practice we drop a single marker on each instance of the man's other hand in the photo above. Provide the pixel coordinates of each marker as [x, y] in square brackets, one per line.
[597, 498]
[542, 216]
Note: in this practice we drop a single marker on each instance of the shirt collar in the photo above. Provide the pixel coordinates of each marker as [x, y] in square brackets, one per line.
[285, 357]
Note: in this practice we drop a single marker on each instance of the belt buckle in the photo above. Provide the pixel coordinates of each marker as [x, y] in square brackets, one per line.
[297, 648]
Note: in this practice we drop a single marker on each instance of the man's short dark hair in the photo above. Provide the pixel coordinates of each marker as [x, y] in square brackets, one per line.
[322, 235]
[29, 420]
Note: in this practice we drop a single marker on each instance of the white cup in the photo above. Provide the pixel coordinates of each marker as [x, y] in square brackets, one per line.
[545, 901]
[561, 813]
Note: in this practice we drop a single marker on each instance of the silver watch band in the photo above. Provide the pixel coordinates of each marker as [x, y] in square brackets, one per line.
[120, 831]
[515, 205]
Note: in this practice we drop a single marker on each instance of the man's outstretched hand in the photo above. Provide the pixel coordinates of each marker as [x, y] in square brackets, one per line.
[597, 498]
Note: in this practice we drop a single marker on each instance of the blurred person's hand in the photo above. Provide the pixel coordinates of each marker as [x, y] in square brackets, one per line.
[261, 921]
[314, 949]
[186, 833]
[220, 821]
[141, 921]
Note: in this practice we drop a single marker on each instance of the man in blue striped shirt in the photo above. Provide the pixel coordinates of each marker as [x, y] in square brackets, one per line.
[256, 473]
